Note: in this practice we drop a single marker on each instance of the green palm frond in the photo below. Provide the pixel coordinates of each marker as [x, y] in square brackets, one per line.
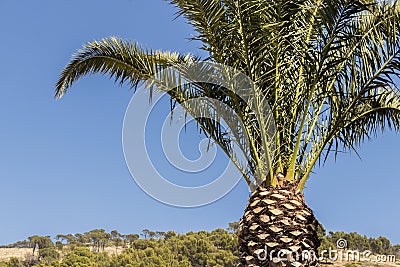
[129, 63]
[124, 61]
[328, 70]
[360, 68]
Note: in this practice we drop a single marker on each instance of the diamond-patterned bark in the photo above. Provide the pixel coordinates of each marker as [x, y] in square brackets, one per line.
[277, 219]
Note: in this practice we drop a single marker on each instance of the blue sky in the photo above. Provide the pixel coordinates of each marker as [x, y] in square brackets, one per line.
[62, 168]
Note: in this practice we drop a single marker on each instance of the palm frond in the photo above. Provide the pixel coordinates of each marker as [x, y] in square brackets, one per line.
[325, 72]
[122, 60]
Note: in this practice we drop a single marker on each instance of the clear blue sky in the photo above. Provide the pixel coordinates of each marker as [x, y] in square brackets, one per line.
[62, 168]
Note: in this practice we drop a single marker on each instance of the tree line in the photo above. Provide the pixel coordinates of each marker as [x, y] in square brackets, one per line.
[217, 248]
[149, 248]
[354, 241]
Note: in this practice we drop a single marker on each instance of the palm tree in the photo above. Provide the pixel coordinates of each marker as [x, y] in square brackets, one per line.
[326, 68]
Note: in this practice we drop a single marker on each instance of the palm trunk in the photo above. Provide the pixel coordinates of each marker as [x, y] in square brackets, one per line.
[278, 229]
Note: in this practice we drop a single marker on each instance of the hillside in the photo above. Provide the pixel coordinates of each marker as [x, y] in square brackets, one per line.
[21, 253]
[218, 248]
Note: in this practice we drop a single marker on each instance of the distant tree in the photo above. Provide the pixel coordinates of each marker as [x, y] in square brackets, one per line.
[130, 238]
[33, 242]
[79, 257]
[386, 247]
[160, 234]
[19, 244]
[69, 239]
[82, 239]
[233, 227]
[376, 246]
[116, 240]
[123, 260]
[99, 238]
[59, 245]
[45, 242]
[48, 256]
[39, 242]
[103, 260]
[169, 234]
[223, 240]
[117, 243]
[145, 233]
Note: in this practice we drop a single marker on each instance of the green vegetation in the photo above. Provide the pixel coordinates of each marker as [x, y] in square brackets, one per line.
[217, 248]
[355, 241]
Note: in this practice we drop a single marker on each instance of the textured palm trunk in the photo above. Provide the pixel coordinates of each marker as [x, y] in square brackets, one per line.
[278, 229]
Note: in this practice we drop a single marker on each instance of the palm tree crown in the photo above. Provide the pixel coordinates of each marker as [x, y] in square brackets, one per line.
[326, 68]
